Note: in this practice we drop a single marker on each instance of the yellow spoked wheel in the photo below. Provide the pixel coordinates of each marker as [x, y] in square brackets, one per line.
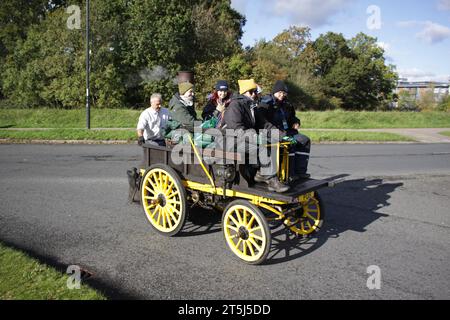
[164, 199]
[308, 219]
[246, 231]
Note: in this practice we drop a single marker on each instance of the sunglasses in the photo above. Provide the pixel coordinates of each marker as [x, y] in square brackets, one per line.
[253, 91]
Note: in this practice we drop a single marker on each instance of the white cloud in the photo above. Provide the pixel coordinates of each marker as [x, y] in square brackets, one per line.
[407, 24]
[434, 33]
[431, 33]
[312, 13]
[416, 74]
[444, 5]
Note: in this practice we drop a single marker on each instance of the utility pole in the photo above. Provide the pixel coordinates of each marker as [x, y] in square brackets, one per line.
[88, 67]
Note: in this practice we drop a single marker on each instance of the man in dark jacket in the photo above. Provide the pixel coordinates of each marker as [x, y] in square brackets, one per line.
[281, 114]
[240, 116]
[181, 107]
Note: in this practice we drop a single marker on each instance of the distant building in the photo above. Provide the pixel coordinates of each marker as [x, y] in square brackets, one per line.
[417, 89]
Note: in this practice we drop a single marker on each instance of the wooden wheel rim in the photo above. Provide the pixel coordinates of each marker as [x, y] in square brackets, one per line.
[244, 233]
[162, 201]
[310, 220]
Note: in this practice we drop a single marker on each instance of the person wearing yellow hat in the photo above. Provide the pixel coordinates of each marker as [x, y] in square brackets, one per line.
[240, 116]
[182, 108]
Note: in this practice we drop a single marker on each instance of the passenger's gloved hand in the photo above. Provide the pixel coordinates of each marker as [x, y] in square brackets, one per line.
[292, 140]
[141, 141]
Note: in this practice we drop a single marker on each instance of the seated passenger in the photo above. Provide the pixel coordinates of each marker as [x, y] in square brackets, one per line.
[152, 122]
[240, 116]
[218, 102]
[281, 114]
[181, 107]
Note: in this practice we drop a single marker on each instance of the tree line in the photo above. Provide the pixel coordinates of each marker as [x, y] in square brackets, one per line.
[138, 46]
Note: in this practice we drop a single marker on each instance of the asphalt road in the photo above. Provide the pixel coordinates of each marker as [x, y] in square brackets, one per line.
[67, 205]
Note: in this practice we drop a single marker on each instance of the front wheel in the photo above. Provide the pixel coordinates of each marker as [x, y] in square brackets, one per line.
[246, 231]
[163, 199]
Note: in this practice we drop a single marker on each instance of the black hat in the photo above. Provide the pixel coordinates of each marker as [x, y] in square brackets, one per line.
[221, 85]
[279, 86]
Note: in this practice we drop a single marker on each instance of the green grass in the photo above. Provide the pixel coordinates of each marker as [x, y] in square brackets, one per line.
[125, 118]
[24, 278]
[373, 120]
[343, 136]
[130, 135]
[59, 118]
[445, 133]
[70, 134]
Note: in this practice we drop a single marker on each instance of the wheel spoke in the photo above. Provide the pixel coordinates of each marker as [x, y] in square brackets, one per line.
[166, 181]
[154, 212]
[160, 181]
[257, 237]
[309, 225]
[310, 216]
[233, 228]
[249, 245]
[231, 237]
[170, 196]
[253, 242]
[244, 247]
[249, 225]
[150, 190]
[173, 201]
[175, 210]
[254, 229]
[238, 243]
[169, 220]
[234, 220]
[155, 187]
[171, 214]
[238, 216]
[159, 216]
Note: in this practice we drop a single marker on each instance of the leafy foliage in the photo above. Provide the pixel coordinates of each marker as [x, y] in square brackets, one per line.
[138, 46]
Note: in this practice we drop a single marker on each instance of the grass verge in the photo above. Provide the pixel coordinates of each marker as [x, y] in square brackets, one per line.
[125, 118]
[373, 120]
[69, 134]
[347, 136]
[445, 133]
[130, 135]
[24, 278]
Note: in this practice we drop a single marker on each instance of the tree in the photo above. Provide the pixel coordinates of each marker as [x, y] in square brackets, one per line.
[16, 17]
[354, 71]
[137, 47]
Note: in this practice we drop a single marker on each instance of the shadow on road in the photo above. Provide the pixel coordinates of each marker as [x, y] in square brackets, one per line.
[351, 205]
[201, 221]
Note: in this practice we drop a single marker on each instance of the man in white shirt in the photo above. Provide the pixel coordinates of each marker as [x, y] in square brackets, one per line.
[152, 122]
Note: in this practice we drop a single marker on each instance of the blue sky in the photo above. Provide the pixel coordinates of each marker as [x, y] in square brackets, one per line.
[414, 33]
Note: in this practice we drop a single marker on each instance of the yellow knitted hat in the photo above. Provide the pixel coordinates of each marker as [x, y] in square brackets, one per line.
[246, 85]
[184, 87]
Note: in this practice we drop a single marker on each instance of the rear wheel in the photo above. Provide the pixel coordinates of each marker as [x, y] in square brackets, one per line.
[246, 231]
[163, 199]
[309, 218]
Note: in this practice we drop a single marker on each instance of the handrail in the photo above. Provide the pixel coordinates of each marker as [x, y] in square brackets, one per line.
[201, 163]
